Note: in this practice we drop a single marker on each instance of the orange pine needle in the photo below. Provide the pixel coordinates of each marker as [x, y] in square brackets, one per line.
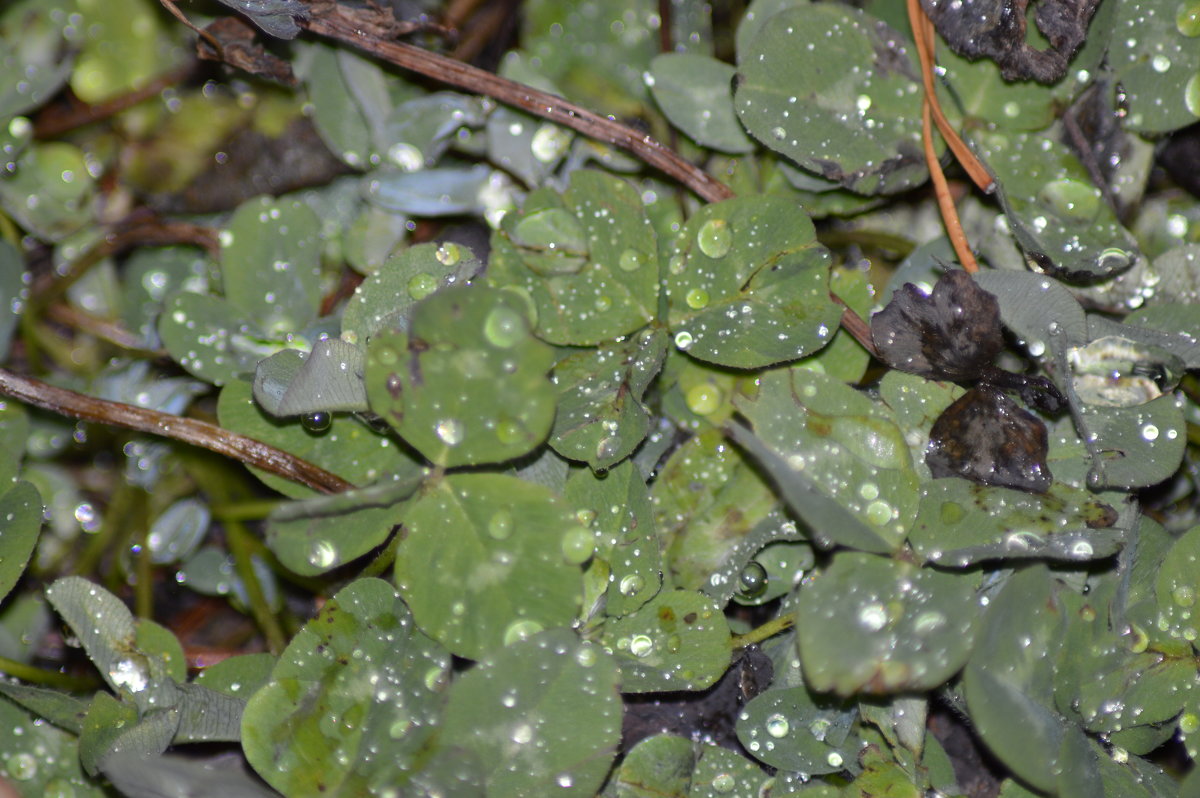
[923, 36]
[954, 229]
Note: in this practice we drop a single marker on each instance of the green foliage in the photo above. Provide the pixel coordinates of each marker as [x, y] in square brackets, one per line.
[625, 486]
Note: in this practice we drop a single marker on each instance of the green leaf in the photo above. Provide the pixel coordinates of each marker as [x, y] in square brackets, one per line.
[385, 299]
[125, 48]
[695, 93]
[960, 523]
[657, 767]
[13, 293]
[349, 448]
[838, 441]
[1008, 680]
[1052, 208]
[837, 92]
[107, 719]
[1138, 446]
[317, 535]
[793, 729]
[41, 759]
[109, 635]
[748, 284]
[679, 640]
[208, 337]
[1037, 308]
[1155, 59]
[47, 188]
[207, 715]
[605, 283]
[356, 681]
[869, 624]
[543, 715]
[271, 264]
[526, 146]
[139, 775]
[489, 559]
[465, 343]
[722, 773]
[1177, 586]
[706, 496]
[64, 711]
[626, 541]
[240, 675]
[327, 379]
[601, 418]
[21, 509]
[987, 98]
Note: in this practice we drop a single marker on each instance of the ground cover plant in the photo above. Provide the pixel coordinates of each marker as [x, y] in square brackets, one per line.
[692, 399]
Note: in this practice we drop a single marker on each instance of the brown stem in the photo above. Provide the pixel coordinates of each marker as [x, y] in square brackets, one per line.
[857, 327]
[367, 33]
[188, 430]
[54, 122]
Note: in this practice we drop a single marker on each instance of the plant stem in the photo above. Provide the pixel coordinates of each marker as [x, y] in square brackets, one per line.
[239, 538]
[769, 629]
[35, 675]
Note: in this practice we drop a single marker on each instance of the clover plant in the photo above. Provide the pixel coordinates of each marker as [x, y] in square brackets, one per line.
[592, 465]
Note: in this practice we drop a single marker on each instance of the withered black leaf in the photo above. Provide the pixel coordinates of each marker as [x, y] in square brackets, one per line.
[951, 334]
[995, 29]
[986, 437]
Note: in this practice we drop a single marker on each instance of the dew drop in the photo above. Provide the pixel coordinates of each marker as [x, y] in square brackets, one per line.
[129, 674]
[715, 238]
[318, 421]
[1191, 94]
[778, 726]
[406, 156]
[577, 545]
[1150, 432]
[703, 399]
[421, 285]
[834, 759]
[723, 783]
[504, 328]
[697, 299]
[752, 581]
[323, 554]
[640, 646]
[683, 340]
[450, 431]
[630, 260]
[521, 630]
[873, 616]
[631, 585]
[448, 254]
[1187, 20]
[1160, 63]
[879, 512]
[586, 656]
[1184, 596]
[500, 525]
[21, 766]
[522, 733]
[549, 142]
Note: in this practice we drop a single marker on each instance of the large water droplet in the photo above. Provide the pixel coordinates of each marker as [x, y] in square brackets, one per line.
[130, 675]
[778, 726]
[715, 238]
[421, 285]
[1191, 94]
[703, 399]
[683, 340]
[318, 421]
[450, 431]
[521, 630]
[21, 766]
[640, 646]
[323, 554]
[873, 616]
[630, 261]
[577, 545]
[1187, 19]
[504, 328]
[448, 254]
[723, 783]
[752, 581]
[1071, 199]
[631, 585]
[697, 299]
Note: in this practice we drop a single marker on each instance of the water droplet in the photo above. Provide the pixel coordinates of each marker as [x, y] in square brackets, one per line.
[406, 156]
[1150, 432]
[1082, 549]
[703, 399]
[1191, 94]
[421, 285]
[504, 328]
[500, 525]
[1184, 596]
[317, 421]
[879, 512]
[868, 490]
[834, 759]
[873, 616]
[723, 782]
[450, 431]
[1114, 258]
[577, 545]
[752, 581]
[586, 656]
[1187, 19]
[323, 554]
[549, 142]
[21, 766]
[522, 733]
[448, 254]
[683, 340]
[1189, 723]
[640, 645]
[129, 674]
[778, 726]
[697, 299]
[1160, 63]
[630, 261]
[715, 238]
[521, 630]
[928, 622]
[631, 585]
